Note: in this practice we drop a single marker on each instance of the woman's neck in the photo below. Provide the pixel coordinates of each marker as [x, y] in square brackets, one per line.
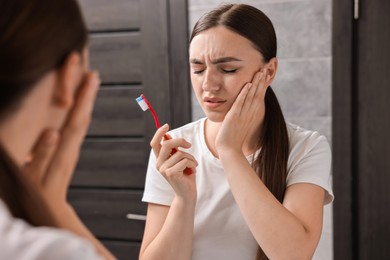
[211, 130]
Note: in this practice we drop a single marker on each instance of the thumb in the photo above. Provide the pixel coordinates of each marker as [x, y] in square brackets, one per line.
[42, 155]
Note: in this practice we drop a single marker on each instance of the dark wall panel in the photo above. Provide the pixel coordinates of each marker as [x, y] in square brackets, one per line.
[106, 212]
[117, 57]
[103, 15]
[373, 130]
[342, 100]
[116, 113]
[116, 163]
[361, 122]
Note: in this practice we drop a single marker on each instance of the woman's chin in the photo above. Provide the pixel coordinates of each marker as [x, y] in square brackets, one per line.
[215, 117]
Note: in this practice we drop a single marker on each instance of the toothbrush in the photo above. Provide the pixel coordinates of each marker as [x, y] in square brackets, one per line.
[144, 103]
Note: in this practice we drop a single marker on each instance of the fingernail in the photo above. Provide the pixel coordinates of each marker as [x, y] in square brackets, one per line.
[99, 80]
[96, 80]
[51, 137]
[165, 126]
[261, 75]
[93, 80]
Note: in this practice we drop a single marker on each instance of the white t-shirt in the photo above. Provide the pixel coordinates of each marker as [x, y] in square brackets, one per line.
[19, 240]
[220, 231]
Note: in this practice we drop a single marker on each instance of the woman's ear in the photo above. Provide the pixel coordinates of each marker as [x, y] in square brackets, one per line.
[69, 77]
[272, 67]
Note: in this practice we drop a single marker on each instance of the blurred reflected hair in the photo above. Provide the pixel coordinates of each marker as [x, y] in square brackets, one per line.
[36, 37]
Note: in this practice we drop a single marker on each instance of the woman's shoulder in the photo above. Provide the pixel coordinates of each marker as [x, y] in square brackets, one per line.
[20, 240]
[301, 137]
[305, 144]
[309, 159]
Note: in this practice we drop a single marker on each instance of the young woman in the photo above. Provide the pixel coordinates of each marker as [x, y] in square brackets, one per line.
[258, 185]
[46, 99]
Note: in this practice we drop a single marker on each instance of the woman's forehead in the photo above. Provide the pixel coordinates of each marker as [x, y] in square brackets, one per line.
[221, 42]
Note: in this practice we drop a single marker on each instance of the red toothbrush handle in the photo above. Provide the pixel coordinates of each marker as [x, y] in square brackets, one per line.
[187, 171]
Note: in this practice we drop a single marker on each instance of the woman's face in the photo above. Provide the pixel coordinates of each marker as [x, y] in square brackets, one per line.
[221, 61]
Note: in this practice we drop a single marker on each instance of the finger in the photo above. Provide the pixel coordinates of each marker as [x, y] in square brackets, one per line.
[178, 168]
[177, 156]
[80, 116]
[73, 132]
[42, 154]
[252, 98]
[168, 146]
[156, 140]
[255, 86]
[174, 159]
[238, 103]
[262, 88]
[263, 83]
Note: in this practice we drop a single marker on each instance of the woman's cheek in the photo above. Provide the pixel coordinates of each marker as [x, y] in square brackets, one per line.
[235, 86]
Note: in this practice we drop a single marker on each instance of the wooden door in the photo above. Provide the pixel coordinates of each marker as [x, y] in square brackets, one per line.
[138, 46]
[361, 127]
[373, 130]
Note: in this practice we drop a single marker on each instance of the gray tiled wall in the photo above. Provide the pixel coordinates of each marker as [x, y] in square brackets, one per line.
[303, 83]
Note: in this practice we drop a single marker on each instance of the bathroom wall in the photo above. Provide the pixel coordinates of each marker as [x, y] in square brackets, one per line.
[303, 82]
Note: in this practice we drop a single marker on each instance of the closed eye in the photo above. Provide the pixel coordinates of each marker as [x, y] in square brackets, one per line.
[229, 71]
[198, 71]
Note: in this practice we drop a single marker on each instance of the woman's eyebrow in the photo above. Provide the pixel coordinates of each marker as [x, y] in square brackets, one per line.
[196, 61]
[216, 61]
[224, 59]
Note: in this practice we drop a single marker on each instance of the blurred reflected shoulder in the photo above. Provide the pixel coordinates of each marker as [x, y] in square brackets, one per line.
[19, 240]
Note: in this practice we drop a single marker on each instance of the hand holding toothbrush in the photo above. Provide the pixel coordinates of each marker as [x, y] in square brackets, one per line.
[173, 165]
[144, 103]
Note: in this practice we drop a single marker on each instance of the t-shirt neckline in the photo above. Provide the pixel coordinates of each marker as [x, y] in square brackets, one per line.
[207, 151]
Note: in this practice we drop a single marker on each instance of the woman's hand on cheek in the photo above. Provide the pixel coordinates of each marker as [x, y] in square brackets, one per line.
[56, 153]
[172, 166]
[245, 115]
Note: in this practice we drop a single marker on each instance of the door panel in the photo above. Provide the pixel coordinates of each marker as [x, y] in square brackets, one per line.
[117, 57]
[105, 212]
[361, 146]
[111, 163]
[117, 114]
[104, 15]
[373, 129]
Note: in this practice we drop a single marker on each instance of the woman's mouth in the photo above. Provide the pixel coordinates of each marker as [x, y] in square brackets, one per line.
[213, 102]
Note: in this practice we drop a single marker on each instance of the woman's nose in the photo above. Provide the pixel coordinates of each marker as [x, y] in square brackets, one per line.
[211, 82]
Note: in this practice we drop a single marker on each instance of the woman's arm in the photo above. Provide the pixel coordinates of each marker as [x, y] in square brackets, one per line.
[288, 231]
[169, 229]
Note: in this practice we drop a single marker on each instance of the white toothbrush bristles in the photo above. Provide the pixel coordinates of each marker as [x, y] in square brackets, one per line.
[141, 102]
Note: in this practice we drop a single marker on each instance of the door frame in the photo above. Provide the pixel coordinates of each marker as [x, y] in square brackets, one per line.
[343, 98]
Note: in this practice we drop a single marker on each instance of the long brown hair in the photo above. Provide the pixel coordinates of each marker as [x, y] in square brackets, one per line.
[36, 36]
[251, 23]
